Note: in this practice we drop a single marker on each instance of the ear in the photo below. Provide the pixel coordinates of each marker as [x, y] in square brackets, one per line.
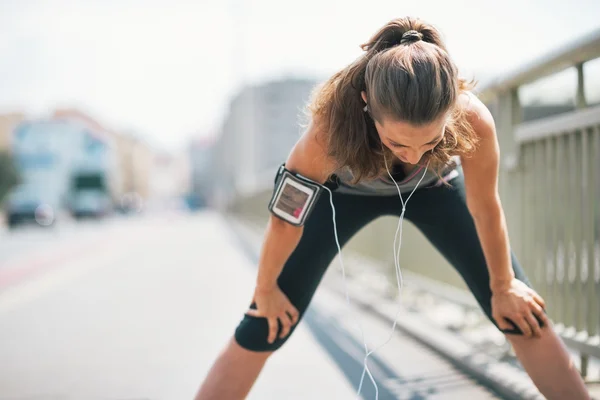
[363, 94]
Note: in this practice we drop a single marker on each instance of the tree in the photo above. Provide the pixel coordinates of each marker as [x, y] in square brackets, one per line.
[8, 174]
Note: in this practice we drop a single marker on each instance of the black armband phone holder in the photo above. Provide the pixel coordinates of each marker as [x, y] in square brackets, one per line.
[294, 196]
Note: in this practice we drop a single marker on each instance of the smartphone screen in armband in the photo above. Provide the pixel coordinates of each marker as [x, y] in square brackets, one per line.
[293, 198]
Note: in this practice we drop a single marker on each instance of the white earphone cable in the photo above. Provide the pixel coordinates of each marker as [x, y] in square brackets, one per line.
[397, 238]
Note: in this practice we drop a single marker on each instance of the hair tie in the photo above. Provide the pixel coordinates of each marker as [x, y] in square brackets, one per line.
[411, 36]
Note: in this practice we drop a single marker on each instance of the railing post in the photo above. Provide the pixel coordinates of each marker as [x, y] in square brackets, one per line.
[580, 101]
[508, 116]
[584, 358]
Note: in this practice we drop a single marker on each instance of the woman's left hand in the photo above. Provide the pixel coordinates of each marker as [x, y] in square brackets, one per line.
[520, 304]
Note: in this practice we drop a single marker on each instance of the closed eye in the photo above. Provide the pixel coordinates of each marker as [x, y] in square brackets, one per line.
[432, 143]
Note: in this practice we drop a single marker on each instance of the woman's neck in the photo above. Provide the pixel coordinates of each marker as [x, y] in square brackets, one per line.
[398, 165]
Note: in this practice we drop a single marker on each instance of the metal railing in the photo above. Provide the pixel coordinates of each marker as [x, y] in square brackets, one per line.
[550, 188]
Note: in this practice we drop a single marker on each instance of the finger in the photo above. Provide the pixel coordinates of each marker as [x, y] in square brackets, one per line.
[523, 325]
[286, 323]
[253, 313]
[502, 323]
[533, 324]
[273, 327]
[294, 315]
[539, 299]
[539, 312]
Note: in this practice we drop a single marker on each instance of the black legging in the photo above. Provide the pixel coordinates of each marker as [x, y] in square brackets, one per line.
[440, 212]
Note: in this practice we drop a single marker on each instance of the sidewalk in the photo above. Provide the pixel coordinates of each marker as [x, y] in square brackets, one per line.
[145, 319]
[478, 350]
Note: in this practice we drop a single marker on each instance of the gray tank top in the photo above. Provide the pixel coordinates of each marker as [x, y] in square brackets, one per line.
[383, 186]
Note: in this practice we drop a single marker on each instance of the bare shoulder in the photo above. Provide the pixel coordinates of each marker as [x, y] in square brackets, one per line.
[478, 115]
[481, 167]
[309, 156]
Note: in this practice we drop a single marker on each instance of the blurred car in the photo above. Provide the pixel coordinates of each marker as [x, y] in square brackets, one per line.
[27, 204]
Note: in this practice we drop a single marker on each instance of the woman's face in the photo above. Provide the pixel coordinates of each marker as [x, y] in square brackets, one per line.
[410, 142]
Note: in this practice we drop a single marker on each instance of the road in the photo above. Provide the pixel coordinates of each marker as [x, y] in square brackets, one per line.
[139, 308]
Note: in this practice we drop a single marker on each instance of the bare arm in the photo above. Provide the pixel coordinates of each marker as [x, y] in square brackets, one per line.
[481, 184]
[511, 298]
[308, 158]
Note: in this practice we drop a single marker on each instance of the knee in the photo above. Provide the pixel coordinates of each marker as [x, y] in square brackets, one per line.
[240, 352]
[252, 334]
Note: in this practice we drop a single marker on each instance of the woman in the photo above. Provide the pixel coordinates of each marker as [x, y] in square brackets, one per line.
[398, 115]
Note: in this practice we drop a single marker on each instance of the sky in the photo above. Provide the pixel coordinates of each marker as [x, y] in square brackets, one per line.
[165, 70]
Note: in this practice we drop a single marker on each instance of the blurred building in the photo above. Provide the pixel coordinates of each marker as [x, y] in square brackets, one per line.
[102, 133]
[136, 163]
[135, 157]
[263, 123]
[65, 165]
[169, 179]
[8, 122]
[202, 175]
[77, 115]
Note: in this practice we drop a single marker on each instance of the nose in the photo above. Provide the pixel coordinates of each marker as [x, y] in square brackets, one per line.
[411, 157]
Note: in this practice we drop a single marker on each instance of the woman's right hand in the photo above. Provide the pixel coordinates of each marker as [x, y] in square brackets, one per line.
[273, 304]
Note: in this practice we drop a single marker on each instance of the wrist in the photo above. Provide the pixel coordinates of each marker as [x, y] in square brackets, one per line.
[501, 284]
[265, 287]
